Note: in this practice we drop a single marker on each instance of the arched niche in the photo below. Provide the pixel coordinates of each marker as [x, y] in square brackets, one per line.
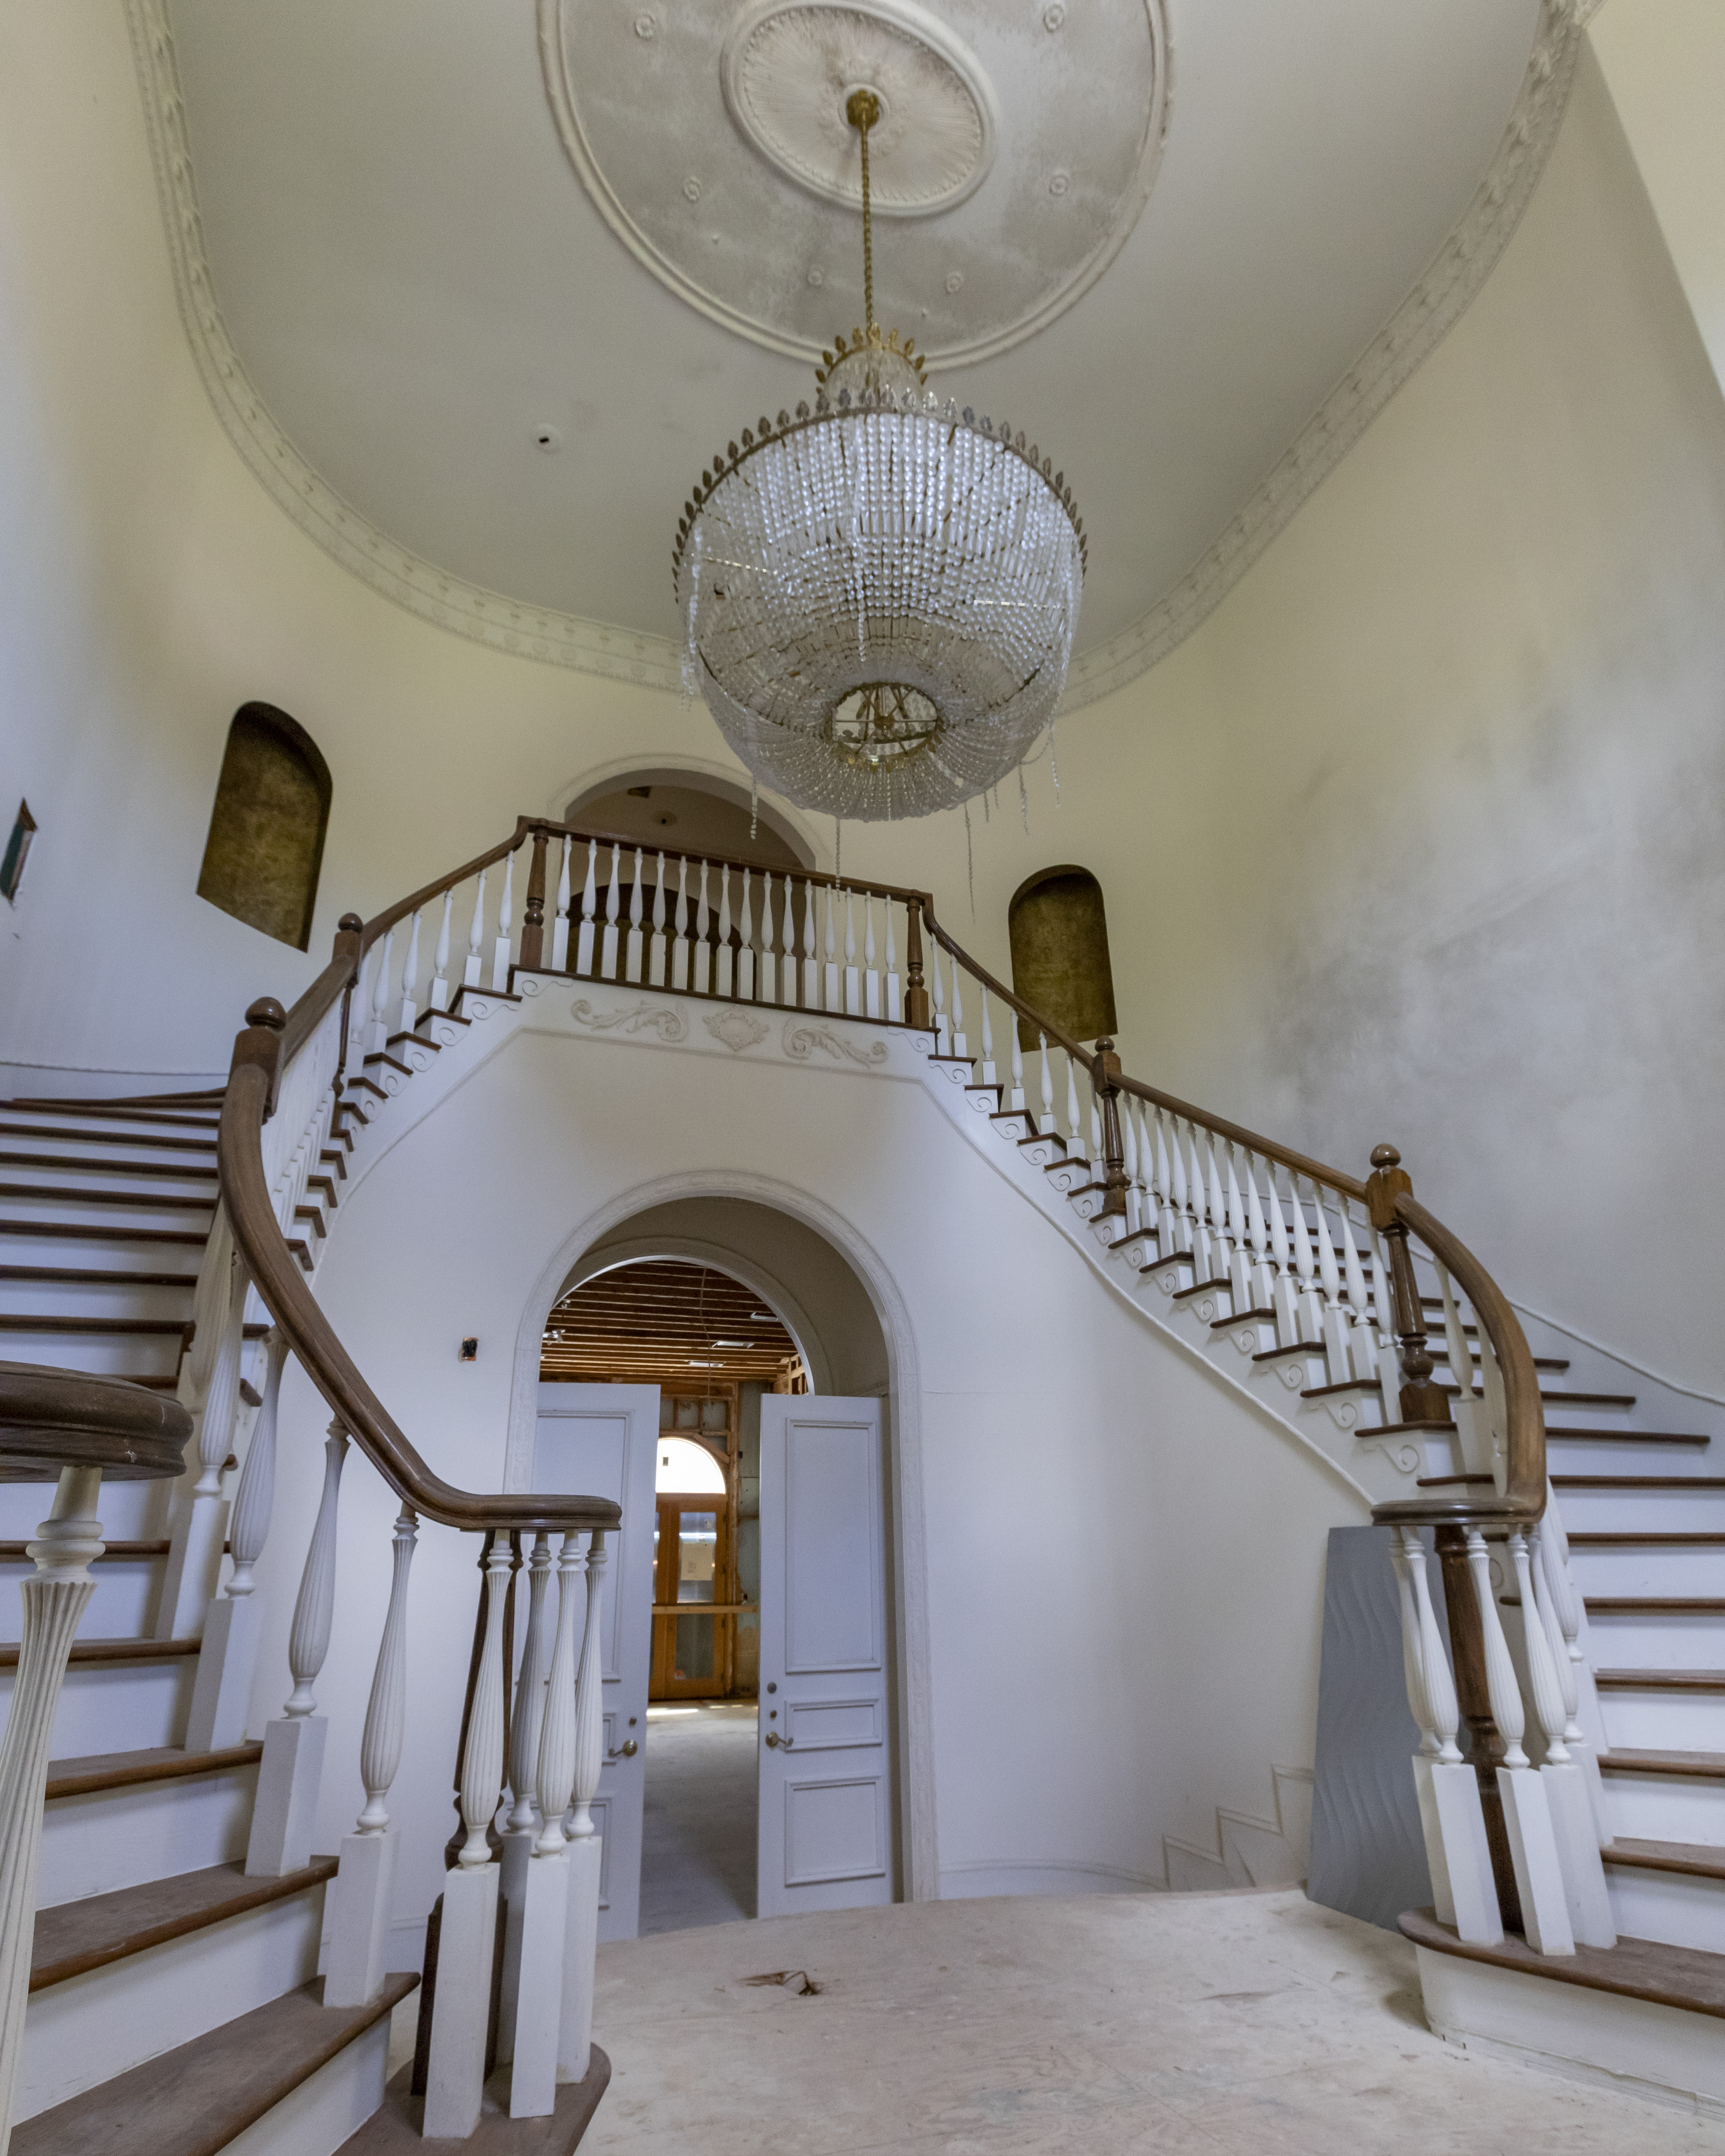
[687, 812]
[266, 830]
[1059, 933]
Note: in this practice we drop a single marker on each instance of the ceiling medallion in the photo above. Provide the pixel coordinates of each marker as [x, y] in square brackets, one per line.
[788, 66]
[879, 595]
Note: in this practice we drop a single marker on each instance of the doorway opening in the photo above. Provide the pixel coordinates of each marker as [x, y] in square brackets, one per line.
[763, 1779]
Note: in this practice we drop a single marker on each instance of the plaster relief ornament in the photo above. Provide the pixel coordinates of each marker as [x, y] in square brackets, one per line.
[879, 595]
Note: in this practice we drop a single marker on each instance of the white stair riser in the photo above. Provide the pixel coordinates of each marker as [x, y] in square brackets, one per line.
[1602, 1455]
[128, 1126]
[126, 1837]
[328, 2107]
[1673, 1906]
[98, 1299]
[125, 1587]
[160, 1209]
[111, 2020]
[90, 1253]
[1665, 1722]
[103, 1354]
[118, 1707]
[52, 1164]
[98, 1151]
[1657, 1640]
[130, 1511]
[1655, 1511]
[1641, 1568]
[1666, 1808]
[1583, 1415]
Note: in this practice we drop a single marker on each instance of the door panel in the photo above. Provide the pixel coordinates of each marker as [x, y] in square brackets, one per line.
[825, 1812]
[599, 1440]
[691, 1652]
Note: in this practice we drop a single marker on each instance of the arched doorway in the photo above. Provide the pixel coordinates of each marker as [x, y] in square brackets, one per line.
[687, 812]
[752, 1637]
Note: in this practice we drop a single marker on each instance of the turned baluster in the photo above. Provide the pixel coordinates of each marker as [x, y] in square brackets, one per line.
[1458, 1354]
[410, 979]
[871, 979]
[829, 945]
[634, 958]
[1170, 1224]
[1487, 1747]
[852, 979]
[533, 916]
[1420, 1400]
[787, 945]
[937, 974]
[681, 929]
[986, 1075]
[210, 1389]
[745, 947]
[590, 1727]
[769, 956]
[525, 1724]
[1309, 1322]
[1106, 1092]
[1221, 1228]
[1134, 1179]
[377, 1038]
[472, 972]
[314, 1607]
[585, 936]
[585, 1850]
[960, 1047]
[724, 981]
[503, 948]
[440, 963]
[613, 904]
[1047, 1123]
[1261, 1298]
[894, 1008]
[1015, 1096]
[1149, 1201]
[1240, 1266]
[703, 941]
[554, 1776]
[916, 1012]
[560, 919]
[1547, 1580]
[1074, 1131]
[1362, 1348]
[1335, 1319]
[655, 948]
[1185, 1222]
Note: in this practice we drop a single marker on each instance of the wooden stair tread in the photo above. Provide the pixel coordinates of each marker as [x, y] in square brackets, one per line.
[1625, 1400]
[1654, 1605]
[394, 2130]
[47, 1321]
[1660, 1538]
[113, 1650]
[13, 1553]
[1699, 1860]
[1636, 1482]
[170, 1171]
[1692, 1766]
[84, 1231]
[1659, 1680]
[58, 1193]
[150, 1117]
[1299, 1348]
[1626, 1436]
[78, 1936]
[1634, 1968]
[108, 1137]
[96, 1277]
[194, 2100]
[96, 1771]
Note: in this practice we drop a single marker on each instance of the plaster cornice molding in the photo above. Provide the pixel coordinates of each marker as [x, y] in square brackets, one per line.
[617, 654]
[1431, 310]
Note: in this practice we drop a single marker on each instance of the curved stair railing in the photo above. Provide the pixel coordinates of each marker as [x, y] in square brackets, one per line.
[1317, 1266]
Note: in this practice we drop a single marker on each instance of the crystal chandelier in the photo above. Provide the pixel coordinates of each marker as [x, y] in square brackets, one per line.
[879, 594]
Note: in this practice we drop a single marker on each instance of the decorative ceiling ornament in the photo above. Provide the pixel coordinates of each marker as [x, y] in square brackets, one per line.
[879, 595]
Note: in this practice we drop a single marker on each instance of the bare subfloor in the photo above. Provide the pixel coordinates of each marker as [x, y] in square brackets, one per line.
[698, 1822]
[1182, 2024]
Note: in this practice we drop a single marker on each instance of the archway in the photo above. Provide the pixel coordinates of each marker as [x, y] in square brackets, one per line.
[690, 811]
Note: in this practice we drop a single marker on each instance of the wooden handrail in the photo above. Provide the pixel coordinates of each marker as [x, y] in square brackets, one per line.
[276, 1275]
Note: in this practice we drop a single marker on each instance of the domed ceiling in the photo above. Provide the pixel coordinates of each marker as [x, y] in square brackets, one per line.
[478, 290]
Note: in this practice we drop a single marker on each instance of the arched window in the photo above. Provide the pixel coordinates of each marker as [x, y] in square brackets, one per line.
[265, 843]
[1059, 953]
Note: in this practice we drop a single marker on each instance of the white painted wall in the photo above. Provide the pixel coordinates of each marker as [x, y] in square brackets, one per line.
[1103, 1670]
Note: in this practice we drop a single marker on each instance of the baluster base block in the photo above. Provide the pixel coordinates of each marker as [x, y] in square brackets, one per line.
[289, 1777]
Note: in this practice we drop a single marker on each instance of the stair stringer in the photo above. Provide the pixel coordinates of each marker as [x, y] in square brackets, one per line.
[1250, 1852]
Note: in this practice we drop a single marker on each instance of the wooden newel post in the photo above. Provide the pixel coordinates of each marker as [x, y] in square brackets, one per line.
[1105, 1078]
[350, 929]
[258, 1047]
[1486, 1746]
[916, 994]
[533, 925]
[1420, 1400]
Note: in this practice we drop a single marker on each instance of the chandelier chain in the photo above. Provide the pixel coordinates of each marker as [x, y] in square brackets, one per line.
[862, 111]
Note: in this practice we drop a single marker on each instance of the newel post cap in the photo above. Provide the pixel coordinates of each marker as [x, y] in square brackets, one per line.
[258, 1047]
[1388, 1179]
[267, 1012]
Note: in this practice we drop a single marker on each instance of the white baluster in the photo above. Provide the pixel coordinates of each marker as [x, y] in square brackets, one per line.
[788, 944]
[769, 958]
[1473, 1441]
[1129, 1145]
[1491, 1411]
[655, 949]
[472, 974]
[745, 953]
[1335, 1319]
[960, 1046]
[378, 1034]
[680, 940]
[211, 1390]
[724, 982]
[560, 921]
[703, 945]
[1171, 1226]
[811, 971]
[937, 989]
[54, 1601]
[503, 949]
[1240, 1267]
[461, 2007]
[1575, 1832]
[589, 914]
[535, 1869]
[832, 1002]
[986, 1075]
[1046, 1123]
[227, 1661]
[1149, 1203]
[440, 963]
[521, 1824]
[1221, 1230]
[1502, 1687]
[613, 902]
[410, 979]
[289, 1774]
[1308, 1307]
[1185, 1220]
[895, 987]
[1096, 1114]
[633, 965]
[585, 1849]
[871, 979]
[853, 975]
[1074, 1135]
[361, 1899]
[1362, 1348]
[1384, 1323]
[1258, 1236]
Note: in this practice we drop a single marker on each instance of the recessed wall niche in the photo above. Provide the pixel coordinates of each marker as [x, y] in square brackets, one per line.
[266, 831]
[1058, 934]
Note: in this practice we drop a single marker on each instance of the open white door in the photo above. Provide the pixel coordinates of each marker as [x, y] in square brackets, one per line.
[826, 1754]
[600, 1440]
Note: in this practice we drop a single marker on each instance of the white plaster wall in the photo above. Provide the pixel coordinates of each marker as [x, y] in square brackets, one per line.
[1125, 1557]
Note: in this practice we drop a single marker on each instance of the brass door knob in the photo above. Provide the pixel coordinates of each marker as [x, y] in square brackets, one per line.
[774, 1740]
[626, 1750]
